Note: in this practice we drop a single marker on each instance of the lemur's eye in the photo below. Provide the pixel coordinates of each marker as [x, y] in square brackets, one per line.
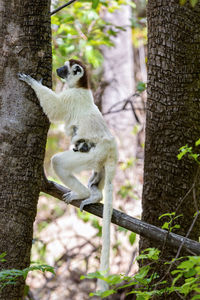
[77, 70]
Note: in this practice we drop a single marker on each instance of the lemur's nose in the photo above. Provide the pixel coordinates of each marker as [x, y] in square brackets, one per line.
[62, 72]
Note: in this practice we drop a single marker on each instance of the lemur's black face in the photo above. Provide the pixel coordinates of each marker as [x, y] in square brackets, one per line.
[63, 72]
[74, 73]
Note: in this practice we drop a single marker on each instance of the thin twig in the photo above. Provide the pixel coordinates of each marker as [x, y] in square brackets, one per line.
[61, 7]
[188, 192]
[188, 233]
[122, 102]
[125, 103]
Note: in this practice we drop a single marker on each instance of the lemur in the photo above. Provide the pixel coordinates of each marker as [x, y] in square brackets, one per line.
[94, 146]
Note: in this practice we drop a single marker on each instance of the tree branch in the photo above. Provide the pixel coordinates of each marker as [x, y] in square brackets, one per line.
[123, 107]
[61, 7]
[121, 219]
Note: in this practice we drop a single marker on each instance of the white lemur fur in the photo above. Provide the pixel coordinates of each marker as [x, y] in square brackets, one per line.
[95, 147]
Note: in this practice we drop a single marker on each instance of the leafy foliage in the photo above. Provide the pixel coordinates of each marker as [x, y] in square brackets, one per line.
[186, 150]
[149, 253]
[144, 282]
[8, 277]
[170, 224]
[189, 269]
[79, 31]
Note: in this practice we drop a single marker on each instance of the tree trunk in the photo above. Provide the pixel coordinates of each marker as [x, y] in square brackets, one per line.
[173, 116]
[119, 76]
[25, 47]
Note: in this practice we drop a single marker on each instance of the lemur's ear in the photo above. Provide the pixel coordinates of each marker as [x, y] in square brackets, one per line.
[79, 72]
[77, 69]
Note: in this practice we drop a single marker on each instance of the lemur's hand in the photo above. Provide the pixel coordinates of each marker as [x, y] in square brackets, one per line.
[26, 78]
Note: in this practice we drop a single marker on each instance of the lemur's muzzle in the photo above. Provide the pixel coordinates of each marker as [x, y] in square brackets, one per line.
[62, 72]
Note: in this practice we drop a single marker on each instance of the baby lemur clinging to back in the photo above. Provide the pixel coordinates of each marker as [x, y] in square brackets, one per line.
[94, 146]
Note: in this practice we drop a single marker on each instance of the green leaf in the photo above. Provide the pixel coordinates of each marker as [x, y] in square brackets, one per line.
[184, 150]
[103, 294]
[2, 255]
[181, 154]
[194, 156]
[167, 215]
[142, 273]
[84, 216]
[127, 285]
[181, 215]
[114, 279]
[95, 3]
[95, 275]
[122, 229]
[197, 143]
[165, 225]
[196, 297]
[149, 253]
[142, 297]
[176, 278]
[190, 273]
[177, 226]
[93, 56]
[107, 293]
[141, 86]
[182, 2]
[193, 2]
[132, 238]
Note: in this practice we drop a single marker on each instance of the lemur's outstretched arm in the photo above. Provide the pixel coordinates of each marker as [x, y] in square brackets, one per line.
[49, 100]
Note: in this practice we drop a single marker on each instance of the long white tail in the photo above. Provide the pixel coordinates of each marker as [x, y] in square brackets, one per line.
[107, 213]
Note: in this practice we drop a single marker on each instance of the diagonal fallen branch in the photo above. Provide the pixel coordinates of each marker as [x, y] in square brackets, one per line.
[121, 219]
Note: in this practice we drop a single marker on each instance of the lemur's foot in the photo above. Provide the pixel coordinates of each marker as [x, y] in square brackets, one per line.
[69, 197]
[94, 198]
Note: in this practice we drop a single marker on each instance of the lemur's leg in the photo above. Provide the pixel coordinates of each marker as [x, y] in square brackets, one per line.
[68, 163]
[95, 184]
[95, 178]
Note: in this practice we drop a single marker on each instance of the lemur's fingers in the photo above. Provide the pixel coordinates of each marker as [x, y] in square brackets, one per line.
[26, 78]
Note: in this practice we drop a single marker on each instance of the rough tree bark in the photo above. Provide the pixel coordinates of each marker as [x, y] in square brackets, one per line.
[173, 116]
[25, 47]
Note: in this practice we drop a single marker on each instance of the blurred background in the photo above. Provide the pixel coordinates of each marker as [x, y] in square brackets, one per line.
[111, 41]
